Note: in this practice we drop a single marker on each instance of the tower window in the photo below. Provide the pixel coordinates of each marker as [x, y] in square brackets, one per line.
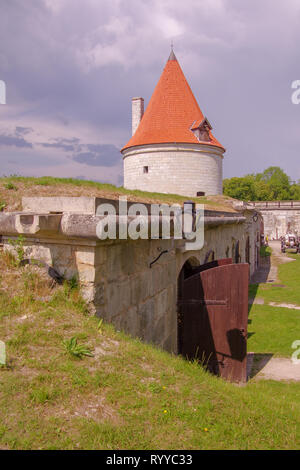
[145, 169]
[201, 130]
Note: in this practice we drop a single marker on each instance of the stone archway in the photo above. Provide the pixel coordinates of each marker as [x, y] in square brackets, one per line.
[187, 268]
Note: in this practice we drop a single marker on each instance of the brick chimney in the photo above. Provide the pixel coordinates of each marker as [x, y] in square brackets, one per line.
[137, 112]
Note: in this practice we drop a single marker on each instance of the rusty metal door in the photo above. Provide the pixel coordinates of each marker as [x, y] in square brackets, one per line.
[213, 317]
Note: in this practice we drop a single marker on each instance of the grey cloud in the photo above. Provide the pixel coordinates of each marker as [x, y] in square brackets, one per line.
[14, 141]
[23, 130]
[74, 140]
[68, 145]
[99, 155]
[67, 148]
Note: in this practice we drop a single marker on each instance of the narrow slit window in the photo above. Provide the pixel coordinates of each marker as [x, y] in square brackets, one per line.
[145, 169]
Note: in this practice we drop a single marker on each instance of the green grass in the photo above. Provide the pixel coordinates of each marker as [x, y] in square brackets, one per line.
[129, 395]
[273, 329]
[52, 186]
[9, 185]
[53, 181]
[77, 350]
[289, 278]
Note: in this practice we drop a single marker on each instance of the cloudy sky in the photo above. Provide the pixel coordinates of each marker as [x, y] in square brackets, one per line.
[72, 66]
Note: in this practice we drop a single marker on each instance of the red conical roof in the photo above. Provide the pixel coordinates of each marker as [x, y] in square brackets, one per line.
[171, 112]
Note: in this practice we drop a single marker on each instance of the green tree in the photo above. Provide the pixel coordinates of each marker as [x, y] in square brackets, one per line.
[240, 188]
[272, 184]
[295, 191]
[278, 181]
[263, 191]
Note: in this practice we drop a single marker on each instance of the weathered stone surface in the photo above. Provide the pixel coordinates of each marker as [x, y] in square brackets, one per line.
[79, 205]
[279, 217]
[86, 255]
[118, 294]
[158, 331]
[140, 288]
[100, 255]
[162, 305]
[7, 223]
[88, 293]
[80, 225]
[146, 314]
[31, 224]
[86, 273]
[114, 262]
[36, 223]
[100, 294]
[116, 278]
[277, 222]
[130, 322]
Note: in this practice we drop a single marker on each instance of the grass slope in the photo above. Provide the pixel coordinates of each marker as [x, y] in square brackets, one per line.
[273, 329]
[129, 395]
[14, 187]
[289, 276]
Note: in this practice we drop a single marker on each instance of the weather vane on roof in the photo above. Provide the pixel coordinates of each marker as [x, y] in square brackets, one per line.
[172, 45]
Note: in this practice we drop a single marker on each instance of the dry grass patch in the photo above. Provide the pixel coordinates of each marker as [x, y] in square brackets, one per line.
[94, 408]
[50, 186]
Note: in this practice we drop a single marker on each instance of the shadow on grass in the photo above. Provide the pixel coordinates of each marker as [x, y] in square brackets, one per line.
[256, 362]
[250, 334]
[261, 274]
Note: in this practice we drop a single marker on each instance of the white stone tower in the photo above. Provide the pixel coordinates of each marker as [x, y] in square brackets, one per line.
[172, 148]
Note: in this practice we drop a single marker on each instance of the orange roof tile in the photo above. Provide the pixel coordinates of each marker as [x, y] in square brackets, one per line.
[171, 112]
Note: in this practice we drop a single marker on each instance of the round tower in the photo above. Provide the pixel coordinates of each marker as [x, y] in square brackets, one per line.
[172, 149]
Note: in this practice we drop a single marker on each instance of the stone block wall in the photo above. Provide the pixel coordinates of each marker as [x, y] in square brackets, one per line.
[278, 222]
[138, 299]
[279, 217]
[117, 281]
[179, 169]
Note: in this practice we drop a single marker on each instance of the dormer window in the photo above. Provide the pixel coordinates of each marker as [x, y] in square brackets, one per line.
[201, 130]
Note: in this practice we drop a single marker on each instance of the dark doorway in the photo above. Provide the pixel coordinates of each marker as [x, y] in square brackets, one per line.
[237, 256]
[247, 250]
